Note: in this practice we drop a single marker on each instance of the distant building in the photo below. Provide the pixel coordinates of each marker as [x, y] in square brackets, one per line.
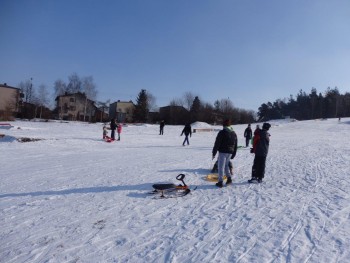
[174, 115]
[10, 101]
[75, 107]
[101, 114]
[122, 111]
[153, 117]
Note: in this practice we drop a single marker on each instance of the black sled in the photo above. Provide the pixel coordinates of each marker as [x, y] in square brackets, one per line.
[172, 190]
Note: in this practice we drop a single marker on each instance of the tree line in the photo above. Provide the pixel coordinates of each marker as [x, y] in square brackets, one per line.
[304, 106]
[315, 105]
[196, 110]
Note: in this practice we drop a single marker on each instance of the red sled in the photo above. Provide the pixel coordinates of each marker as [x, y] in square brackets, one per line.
[108, 139]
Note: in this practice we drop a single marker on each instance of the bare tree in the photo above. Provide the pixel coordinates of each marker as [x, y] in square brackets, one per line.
[27, 89]
[74, 84]
[89, 88]
[103, 106]
[226, 107]
[188, 99]
[176, 102]
[59, 87]
[42, 97]
[151, 100]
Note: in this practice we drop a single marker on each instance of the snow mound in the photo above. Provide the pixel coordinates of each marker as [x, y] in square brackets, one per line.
[199, 125]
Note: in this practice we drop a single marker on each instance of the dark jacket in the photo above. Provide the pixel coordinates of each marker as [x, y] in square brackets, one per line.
[113, 125]
[187, 130]
[261, 143]
[248, 133]
[226, 142]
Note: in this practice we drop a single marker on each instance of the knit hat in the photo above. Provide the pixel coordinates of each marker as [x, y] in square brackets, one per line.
[266, 126]
[226, 123]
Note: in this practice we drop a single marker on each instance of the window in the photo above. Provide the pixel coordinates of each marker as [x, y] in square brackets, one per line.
[72, 99]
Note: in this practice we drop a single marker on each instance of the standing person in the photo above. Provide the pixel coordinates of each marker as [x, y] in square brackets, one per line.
[226, 145]
[119, 130]
[161, 127]
[248, 134]
[260, 149]
[187, 131]
[113, 126]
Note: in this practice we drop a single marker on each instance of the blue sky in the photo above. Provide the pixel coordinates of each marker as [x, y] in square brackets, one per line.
[251, 51]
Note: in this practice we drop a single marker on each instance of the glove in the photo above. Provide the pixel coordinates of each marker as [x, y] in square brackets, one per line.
[251, 150]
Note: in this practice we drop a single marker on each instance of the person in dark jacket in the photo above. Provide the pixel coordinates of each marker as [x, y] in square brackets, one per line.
[260, 149]
[226, 145]
[187, 131]
[113, 126]
[161, 127]
[248, 134]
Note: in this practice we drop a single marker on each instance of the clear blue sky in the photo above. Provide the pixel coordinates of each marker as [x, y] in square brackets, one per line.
[251, 51]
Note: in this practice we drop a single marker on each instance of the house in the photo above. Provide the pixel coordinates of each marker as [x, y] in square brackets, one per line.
[75, 107]
[31, 110]
[10, 101]
[101, 114]
[174, 115]
[122, 111]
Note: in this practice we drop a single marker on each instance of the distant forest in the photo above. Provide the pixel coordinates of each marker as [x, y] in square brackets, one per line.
[331, 104]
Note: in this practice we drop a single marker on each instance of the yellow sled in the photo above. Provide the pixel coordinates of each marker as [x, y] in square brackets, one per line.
[214, 177]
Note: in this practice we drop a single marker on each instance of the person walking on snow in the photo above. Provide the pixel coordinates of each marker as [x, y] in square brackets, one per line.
[260, 149]
[161, 127]
[226, 145]
[248, 135]
[187, 131]
[119, 130]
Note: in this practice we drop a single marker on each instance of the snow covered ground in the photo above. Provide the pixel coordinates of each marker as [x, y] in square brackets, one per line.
[72, 197]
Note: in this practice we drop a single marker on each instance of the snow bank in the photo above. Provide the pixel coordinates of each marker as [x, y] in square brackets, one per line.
[200, 125]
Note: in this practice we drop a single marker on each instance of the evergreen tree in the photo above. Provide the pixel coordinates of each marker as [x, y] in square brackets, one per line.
[141, 108]
[195, 109]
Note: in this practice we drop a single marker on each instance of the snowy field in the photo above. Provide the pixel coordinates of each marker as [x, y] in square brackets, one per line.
[72, 197]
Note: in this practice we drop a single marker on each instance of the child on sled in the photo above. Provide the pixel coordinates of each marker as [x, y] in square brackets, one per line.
[105, 132]
[215, 167]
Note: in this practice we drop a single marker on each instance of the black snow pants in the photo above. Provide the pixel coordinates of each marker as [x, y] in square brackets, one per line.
[258, 169]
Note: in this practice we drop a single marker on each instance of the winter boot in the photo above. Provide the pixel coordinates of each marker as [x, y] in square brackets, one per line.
[219, 184]
[253, 180]
[229, 180]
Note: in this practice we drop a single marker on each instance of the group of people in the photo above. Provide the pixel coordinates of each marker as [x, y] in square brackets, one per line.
[226, 146]
[113, 126]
